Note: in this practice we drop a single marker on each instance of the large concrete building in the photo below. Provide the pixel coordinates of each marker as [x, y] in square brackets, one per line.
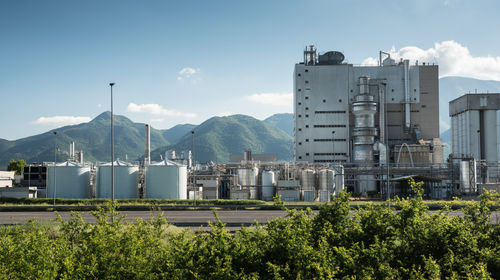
[344, 112]
[475, 120]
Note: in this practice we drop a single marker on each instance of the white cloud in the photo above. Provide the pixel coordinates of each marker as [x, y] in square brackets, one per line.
[61, 120]
[453, 60]
[188, 73]
[275, 99]
[156, 109]
[157, 120]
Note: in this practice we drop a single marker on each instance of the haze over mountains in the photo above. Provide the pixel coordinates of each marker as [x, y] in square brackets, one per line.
[215, 139]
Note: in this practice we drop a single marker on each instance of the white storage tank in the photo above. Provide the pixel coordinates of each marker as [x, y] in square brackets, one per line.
[167, 180]
[308, 179]
[248, 176]
[326, 180]
[126, 185]
[71, 180]
[268, 182]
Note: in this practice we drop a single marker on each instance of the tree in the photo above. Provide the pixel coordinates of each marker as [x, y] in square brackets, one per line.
[17, 166]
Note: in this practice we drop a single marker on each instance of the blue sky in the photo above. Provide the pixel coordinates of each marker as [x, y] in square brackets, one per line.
[186, 61]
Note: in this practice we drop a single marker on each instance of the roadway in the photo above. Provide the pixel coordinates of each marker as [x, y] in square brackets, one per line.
[181, 218]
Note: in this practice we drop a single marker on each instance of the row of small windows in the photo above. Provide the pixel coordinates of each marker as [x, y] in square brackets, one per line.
[330, 154]
[329, 125]
[329, 140]
[329, 112]
[328, 160]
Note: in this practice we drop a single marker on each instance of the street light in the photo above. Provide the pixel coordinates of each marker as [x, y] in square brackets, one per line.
[193, 165]
[112, 148]
[55, 160]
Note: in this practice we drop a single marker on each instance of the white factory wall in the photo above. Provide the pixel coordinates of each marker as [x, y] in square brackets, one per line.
[489, 136]
[322, 97]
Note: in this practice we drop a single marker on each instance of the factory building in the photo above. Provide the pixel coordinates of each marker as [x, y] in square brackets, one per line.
[475, 139]
[365, 116]
[474, 126]
[336, 102]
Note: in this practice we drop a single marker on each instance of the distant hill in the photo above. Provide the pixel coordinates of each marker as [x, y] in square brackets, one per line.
[282, 121]
[218, 137]
[454, 87]
[93, 138]
[175, 133]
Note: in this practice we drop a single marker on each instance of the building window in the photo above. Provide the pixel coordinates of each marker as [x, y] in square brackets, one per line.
[307, 97]
[307, 126]
[340, 100]
[424, 106]
[307, 154]
[299, 75]
[392, 90]
[351, 90]
[299, 89]
[300, 157]
[307, 70]
[307, 116]
[307, 140]
[329, 112]
[307, 108]
[300, 129]
[300, 143]
[306, 82]
[329, 125]
[300, 116]
[324, 100]
[300, 103]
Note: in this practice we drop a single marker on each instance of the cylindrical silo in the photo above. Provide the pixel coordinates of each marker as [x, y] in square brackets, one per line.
[326, 180]
[308, 179]
[126, 183]
[70, 180]
[268, 182]
[167, 180]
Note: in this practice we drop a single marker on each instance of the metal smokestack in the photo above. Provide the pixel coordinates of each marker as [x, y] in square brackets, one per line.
[147, 157]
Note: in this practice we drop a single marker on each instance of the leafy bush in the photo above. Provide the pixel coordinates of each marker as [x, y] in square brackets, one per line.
[374, 242]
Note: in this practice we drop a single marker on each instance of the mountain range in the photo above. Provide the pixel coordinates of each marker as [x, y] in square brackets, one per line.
[215, 139]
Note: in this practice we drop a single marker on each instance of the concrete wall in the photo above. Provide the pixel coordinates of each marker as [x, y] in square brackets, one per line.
[322, 104]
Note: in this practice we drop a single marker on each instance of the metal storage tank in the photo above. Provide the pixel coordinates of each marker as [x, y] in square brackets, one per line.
[308, 179]
[167, 180]
[326, 180]
[468, 175]
[71, 180]
[268, 182]
[339, 179]
[248, 176]
[126, 185]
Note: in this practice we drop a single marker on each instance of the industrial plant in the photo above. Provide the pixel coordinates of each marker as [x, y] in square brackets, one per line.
[367, 129]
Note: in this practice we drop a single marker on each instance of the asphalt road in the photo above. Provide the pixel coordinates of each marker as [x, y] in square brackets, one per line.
[182, 218]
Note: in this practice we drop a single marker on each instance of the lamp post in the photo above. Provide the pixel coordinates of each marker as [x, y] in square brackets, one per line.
[193, 165]
[112, 148]
[55, 160]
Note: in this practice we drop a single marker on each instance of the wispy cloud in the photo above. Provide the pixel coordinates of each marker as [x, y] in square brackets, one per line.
[156, 109]
[61, 120]
[274, 99]
[188, 73]
[453, 59]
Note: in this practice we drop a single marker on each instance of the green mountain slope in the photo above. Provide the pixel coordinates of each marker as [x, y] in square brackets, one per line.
[282, 121]
[175, 133]
[218, 137]
[93, 138]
